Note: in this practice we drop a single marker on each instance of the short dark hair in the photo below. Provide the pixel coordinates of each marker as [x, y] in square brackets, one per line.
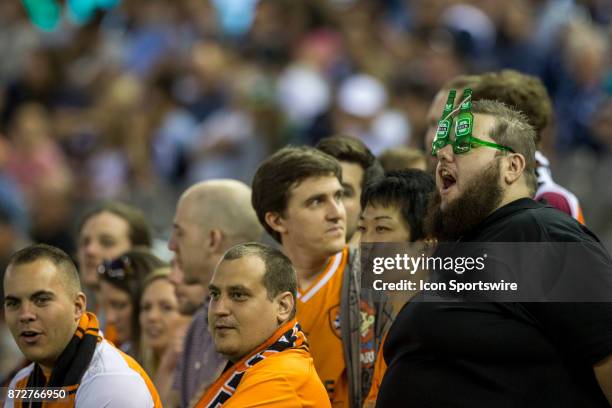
[279, 275]
[63, 262]
[525, 93]
[352, 150]
[281, 172]
[409, 190]
[139, 229]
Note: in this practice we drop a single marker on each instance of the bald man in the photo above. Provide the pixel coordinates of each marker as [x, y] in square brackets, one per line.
[211, 217]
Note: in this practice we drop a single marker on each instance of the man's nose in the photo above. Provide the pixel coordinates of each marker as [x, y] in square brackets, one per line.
[336, 210]
[172, 242]
[446, 154]
[220, 306]
[27, 313]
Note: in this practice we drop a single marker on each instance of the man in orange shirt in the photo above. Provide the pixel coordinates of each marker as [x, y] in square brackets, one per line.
[252, 320]
[297, 195]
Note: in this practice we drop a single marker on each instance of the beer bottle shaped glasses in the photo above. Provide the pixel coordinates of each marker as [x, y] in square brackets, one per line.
[444, 124]
[464, 124]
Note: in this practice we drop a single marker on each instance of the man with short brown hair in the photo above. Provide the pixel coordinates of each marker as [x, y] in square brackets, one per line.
[297, 194]
[45, 311]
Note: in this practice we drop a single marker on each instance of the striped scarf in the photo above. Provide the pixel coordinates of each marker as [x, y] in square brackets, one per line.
[69, 367]
[289, 335]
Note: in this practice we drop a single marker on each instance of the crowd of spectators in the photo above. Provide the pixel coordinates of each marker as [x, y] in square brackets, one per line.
[140, 98]
[145, 97]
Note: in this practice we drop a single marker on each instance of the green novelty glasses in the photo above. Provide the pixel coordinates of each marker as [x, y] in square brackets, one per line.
[464, 141]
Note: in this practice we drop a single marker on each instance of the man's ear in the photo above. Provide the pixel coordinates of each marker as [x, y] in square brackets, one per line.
[80, 305]
[215, 240]
[513, 168]
[286, 303]
[276, 222]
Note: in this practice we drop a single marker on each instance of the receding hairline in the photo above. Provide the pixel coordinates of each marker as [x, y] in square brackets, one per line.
[248, 254]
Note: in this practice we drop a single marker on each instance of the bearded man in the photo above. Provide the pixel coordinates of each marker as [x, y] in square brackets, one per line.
[491, 353]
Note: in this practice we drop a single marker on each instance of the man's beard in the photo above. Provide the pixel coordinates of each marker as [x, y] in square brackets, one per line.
[481, 197]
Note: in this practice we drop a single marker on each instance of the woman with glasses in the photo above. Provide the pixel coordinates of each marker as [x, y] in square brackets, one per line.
[121, 285]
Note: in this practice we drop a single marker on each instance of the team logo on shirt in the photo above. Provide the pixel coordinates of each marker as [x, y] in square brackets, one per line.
[368, 351]
[334, 320]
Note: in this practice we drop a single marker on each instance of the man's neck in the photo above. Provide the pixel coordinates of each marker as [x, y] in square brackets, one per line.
[354, 240]
[46, 370]
[307, 267]
[513, 195]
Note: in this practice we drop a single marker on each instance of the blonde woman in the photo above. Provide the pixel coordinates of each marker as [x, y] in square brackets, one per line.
[159, 320]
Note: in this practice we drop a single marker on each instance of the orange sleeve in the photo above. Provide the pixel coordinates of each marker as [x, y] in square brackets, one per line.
[380, 367]
[273, 385]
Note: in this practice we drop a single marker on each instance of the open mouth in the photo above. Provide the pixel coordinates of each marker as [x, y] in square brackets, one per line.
[30, 336]
[448, 180]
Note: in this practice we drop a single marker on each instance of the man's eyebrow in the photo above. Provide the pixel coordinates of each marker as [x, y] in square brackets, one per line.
[213, 287]
[42, 293]
[239, 288]
[315, 197]
[37, 294]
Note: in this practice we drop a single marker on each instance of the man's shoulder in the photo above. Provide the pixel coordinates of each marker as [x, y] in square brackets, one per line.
[287, 378]
[537, 222]
[294, 365]
[111, 369]
[110, 361]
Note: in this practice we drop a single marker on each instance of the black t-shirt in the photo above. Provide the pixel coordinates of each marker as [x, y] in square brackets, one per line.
[485, 354]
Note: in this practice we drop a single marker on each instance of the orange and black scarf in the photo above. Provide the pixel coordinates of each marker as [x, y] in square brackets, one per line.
[288, 336]
[69, 367]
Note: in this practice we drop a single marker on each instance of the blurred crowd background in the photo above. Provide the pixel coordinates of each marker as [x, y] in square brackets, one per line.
[136, 99]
